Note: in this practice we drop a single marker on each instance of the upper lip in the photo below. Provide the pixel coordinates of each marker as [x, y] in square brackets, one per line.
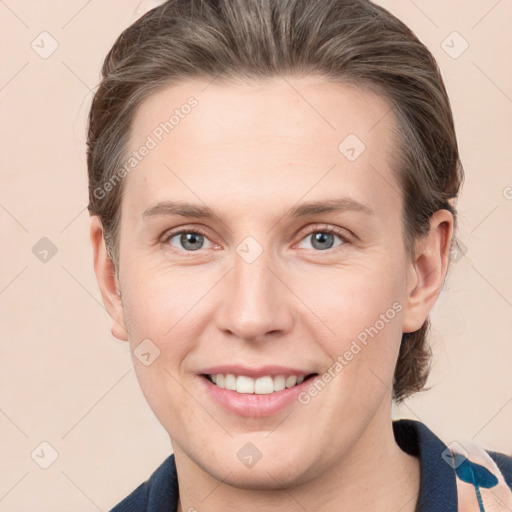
[261, 371]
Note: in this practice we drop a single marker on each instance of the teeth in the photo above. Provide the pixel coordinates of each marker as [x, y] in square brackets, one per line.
[244, 384]
[264, 385]
[291, 381]
[261, 386]
[279, 383]
[230, 382]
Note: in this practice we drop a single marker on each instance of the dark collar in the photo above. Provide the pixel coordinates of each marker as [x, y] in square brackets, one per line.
[438, 490]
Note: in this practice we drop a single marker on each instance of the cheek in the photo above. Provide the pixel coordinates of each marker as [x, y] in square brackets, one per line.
[349, 299]
[167, 308]
[363, 313]
[159, 300]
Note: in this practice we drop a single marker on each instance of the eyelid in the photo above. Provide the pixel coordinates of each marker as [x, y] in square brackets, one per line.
[171, 233]
[326, 228]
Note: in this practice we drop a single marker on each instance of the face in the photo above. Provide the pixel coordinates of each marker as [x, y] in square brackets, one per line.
[261, 247]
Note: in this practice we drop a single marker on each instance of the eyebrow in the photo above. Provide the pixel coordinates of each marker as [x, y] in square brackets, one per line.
[328, 206]
[168, 208]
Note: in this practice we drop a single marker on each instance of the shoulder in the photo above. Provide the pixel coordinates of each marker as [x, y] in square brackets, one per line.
[157, 494]
[440, 473]
[416, 438]
[504, 463]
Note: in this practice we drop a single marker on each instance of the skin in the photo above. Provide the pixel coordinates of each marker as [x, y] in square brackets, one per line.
[250, 152]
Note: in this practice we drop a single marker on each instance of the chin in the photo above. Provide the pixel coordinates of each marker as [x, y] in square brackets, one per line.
[272, 471]
[264, 477]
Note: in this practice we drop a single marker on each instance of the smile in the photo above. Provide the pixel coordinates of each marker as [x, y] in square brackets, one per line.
[264, 385]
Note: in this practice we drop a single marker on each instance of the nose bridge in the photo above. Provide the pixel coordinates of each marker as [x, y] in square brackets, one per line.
[253, 303]
[251, 280]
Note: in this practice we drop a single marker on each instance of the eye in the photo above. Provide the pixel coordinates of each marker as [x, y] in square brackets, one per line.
[189, 240]
[324, 238]
[321, 238]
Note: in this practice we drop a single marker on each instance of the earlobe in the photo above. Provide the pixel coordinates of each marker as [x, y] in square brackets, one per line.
[107, 280]
[427, 271]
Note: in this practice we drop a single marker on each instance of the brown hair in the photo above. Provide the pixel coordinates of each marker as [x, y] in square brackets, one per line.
[348, 41]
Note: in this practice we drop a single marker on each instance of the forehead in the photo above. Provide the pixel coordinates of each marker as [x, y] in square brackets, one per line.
[279, 138]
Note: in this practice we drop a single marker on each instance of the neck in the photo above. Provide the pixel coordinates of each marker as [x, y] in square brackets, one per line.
[375, 475]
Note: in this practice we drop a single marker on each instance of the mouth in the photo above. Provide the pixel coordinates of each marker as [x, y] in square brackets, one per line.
[264, 385]
[255, 391]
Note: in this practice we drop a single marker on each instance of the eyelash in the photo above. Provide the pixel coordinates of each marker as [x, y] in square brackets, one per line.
[320, 228]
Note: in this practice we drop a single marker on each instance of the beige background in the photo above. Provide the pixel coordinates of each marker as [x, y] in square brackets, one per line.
[66, 381]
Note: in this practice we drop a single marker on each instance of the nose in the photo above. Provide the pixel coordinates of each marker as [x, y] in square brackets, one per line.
[254, 304]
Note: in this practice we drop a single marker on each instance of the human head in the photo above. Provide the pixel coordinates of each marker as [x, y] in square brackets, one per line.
[351, 42]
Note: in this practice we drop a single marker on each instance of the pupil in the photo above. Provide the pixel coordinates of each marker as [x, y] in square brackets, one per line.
[322, 238]
[189, 239]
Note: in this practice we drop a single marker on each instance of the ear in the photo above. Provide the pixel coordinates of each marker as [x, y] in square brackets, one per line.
[427, 270]
[107, 280]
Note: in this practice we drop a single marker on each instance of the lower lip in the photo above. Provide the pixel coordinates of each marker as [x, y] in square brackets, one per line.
[252, 405]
